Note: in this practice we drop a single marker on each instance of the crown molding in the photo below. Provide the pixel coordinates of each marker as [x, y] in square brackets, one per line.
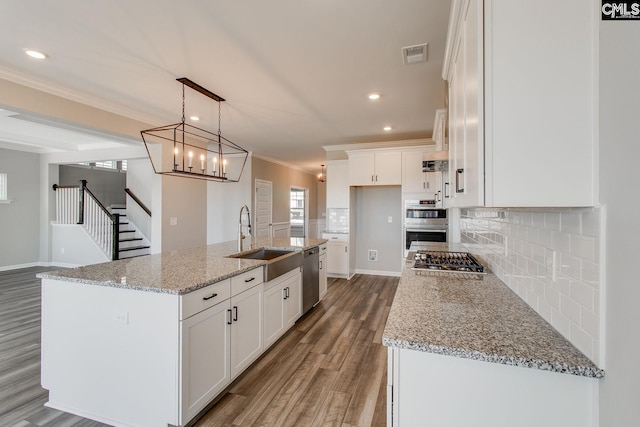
[281, 163]
[382, 144]
[77, 96]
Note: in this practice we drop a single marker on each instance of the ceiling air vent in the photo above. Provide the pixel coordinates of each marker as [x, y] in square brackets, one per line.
[414, 54]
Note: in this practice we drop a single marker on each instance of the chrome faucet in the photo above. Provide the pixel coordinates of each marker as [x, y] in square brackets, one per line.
[242, 236]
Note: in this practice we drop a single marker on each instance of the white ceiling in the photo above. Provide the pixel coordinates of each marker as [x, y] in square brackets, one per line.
[295, 73]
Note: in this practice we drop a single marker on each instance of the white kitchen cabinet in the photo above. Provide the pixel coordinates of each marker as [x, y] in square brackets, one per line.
[337, 184]
[374, 167]
[426, 386]
[323, 270]
[338, 259]
[521, 114]
[282, 305]
[466, 155]
[205, 367]
[246, 329]
[417, 184]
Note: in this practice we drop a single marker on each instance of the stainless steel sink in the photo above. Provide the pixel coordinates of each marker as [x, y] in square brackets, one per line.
[279, 261]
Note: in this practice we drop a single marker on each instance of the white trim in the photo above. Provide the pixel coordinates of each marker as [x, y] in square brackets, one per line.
[77, 96]
[5, 202]
[382, 144]
[281, 163]
[379, 272]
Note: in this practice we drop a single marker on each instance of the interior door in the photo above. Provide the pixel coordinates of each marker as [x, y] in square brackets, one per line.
[263, 206]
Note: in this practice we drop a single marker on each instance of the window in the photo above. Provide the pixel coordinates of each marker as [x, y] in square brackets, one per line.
[108, 164]
[3, 186]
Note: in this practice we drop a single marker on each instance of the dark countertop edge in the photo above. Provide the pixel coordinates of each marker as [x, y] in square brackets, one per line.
[558, 367]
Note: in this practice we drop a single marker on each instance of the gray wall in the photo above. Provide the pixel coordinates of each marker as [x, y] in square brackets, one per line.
[619, 153]
[372, 207]
[107, 185]
[19, 220]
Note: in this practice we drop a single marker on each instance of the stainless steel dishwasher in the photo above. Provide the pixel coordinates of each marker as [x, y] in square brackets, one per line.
[310, 279]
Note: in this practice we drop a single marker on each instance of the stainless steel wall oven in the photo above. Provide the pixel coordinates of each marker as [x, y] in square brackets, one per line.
[424, 223]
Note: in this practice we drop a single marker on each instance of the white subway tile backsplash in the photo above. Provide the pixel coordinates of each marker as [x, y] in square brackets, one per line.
[583, 247]
[583, 295]
[570, 309]
[552, 221]
[590, 322]
[582, 340]
[517, 245]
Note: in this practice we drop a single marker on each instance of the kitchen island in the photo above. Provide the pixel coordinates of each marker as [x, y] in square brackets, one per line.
[151, 341]
[465, 350]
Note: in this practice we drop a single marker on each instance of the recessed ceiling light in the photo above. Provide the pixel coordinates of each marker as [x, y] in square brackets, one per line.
[36, 54]
[387, 128]
[194, 118]
[374, 96]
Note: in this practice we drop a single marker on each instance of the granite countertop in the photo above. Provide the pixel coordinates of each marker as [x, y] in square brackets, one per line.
[177, 272]
[480, 319]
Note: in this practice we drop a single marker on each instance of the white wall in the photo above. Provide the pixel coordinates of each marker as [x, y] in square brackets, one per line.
[372, 208]
[19, 220]
[224, 201]
[619, 154]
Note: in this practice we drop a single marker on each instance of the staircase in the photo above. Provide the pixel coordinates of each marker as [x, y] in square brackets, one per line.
[131, 243]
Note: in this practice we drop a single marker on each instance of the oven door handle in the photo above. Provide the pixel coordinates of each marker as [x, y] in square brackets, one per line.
[423, 230]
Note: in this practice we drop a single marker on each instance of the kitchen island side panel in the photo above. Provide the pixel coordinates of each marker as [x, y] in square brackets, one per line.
[92, 362]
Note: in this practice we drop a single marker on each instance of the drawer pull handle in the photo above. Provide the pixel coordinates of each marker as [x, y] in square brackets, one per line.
[228, 316]
[249, 280]
[209, 297]
[235, 313]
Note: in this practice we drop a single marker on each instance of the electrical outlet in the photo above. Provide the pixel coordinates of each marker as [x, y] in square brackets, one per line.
[173, 220]
[62, 251]
[373, 255]
[390, 219]
[551, 260]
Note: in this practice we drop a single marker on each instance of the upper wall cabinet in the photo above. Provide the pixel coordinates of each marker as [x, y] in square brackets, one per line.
[337, 184]
[522, 103]
[372, 167]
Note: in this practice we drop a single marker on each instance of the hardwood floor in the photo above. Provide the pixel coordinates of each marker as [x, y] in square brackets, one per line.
[329, 369]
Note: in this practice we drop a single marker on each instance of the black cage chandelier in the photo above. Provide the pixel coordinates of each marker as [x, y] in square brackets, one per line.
[184, 150]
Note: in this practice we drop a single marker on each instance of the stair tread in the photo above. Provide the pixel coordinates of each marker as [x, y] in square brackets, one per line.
[131, 239]
[133, 248]
[134, 256]
[127, 231]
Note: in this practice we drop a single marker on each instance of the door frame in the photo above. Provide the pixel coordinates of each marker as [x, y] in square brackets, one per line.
[306, 207]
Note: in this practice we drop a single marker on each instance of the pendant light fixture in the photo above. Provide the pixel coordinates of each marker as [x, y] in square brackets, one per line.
[322, 176]
[184, 150]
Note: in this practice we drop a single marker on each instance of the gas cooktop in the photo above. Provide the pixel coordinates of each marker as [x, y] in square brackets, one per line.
[443, 261]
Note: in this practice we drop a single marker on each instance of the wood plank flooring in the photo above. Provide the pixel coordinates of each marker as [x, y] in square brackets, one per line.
[329, 369]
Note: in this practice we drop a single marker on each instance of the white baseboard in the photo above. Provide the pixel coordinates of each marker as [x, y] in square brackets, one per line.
[379, 273]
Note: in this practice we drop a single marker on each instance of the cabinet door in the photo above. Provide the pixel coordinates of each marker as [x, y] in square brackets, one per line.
[205, 365]
[323, 275]
[246, 329]
[412, 176]
[388, 168]
[274, 300]
[361, 169]
[338, 184]
[337, 259]
[293, 302]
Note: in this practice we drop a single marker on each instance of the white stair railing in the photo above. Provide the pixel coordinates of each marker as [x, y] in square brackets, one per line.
[67, 204]
[78, 205]
[99, 224]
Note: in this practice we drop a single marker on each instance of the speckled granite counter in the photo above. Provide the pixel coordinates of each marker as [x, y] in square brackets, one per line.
[177, 272]
[477, 319]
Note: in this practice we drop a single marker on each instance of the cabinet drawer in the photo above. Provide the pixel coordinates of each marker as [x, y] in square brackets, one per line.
[323, 249]
[248, 280]
[196, 301]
